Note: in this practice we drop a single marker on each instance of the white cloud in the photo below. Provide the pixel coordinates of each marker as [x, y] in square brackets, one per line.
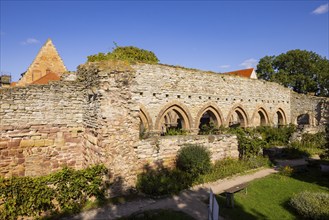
[321, 9]
[30, 41]
[224, 66]
[249, 63]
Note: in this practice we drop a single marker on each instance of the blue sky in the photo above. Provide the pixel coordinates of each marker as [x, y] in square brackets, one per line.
[209, 35]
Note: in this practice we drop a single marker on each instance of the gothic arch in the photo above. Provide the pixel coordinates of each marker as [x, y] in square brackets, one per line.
[279, 117]
[260, 117]
[180, 109]
[237, 117]
[145, 118]
[210, 107]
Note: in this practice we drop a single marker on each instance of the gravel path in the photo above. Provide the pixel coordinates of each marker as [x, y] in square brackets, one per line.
[190, 201]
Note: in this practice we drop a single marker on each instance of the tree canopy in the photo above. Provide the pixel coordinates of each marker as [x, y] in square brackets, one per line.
[129, 53]
[301, 70]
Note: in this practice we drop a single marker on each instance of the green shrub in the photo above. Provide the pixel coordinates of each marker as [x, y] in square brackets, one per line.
[276, 136]
[310, 144]
[157, 182]
[194, 159]
[286, 171]
[129, 53]
[65, 191]
[175, 131]
[210, 128]
[311, 205]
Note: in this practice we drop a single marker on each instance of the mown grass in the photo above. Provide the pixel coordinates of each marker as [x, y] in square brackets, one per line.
[268, 198]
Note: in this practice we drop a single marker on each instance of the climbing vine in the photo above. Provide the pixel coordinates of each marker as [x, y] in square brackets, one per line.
[64, 191]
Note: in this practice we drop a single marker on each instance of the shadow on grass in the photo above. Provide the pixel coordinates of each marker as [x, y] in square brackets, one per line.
[238, 212]
[312, 175]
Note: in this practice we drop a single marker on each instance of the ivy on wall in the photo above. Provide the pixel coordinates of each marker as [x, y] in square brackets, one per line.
[64, 191]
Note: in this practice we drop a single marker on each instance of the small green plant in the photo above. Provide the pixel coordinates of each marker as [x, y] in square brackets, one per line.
[175, 131]
[209, 128]
[286, 171]
[311, 205]
[194, 159]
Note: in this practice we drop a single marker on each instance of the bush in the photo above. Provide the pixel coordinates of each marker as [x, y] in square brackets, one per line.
[310, 144]
[276, 136]
[65, 191]
[130, 54]
[311, 205]
[194, 159]
[163, 181]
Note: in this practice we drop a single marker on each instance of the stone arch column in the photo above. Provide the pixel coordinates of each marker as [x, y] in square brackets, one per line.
[182, 112]
[237, 116]
[261, 114]
[145, 119]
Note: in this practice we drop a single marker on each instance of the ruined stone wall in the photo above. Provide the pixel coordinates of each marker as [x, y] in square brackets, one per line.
[316, 107]
[111, 120]
[163, 150]
[96, 118]
[41, 128]
[159, 86]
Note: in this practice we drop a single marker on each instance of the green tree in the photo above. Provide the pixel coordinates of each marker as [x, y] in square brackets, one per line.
[303, 71]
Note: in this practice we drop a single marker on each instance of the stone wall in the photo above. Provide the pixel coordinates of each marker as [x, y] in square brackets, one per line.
[96, 118]
[317, 109]
[35, 150]
[41, 128]
[163, 150]
[111, 120]
[158, 87]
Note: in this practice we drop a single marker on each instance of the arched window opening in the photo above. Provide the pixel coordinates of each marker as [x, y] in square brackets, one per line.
[145, 124]
[262, 119]
[174, 122]
[238, 119]
[303, 119]
[208, 123]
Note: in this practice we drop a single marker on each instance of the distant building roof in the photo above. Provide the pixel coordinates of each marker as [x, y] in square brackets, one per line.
[248, 73]
[46, 78]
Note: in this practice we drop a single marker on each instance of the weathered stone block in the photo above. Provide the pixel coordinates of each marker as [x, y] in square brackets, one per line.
[39, 143]
[27, 143]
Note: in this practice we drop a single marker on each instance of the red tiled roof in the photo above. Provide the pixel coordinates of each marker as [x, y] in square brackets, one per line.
[46, 78]
[243, 73]
[12, 84]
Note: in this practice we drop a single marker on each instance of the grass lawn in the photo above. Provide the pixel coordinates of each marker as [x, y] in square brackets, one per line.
[267, 198]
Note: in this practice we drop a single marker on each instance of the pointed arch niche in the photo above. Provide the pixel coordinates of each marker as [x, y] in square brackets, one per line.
[174, 115]
[237, 117]
[260, 117]
[145, 125]
[208, 116]
[279, 118]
